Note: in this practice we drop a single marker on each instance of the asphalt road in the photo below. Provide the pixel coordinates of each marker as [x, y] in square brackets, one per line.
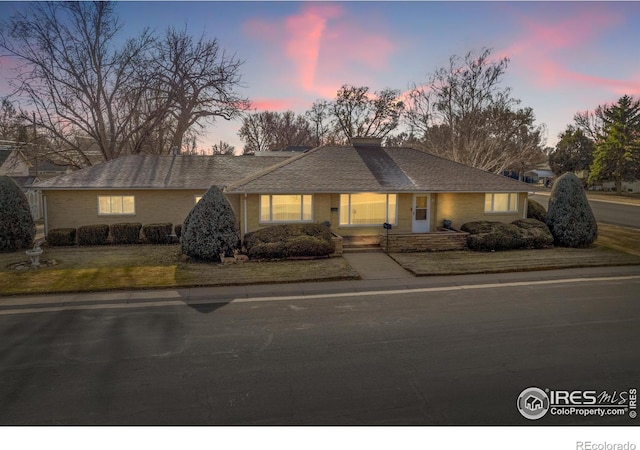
[605, 212]
[455, 356]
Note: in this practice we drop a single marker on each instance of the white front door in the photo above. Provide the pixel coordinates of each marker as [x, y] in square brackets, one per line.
[421, 203]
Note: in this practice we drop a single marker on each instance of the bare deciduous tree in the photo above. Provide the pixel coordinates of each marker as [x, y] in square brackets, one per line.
[223, 148]
[357, 113]
[320, 121]
[78, 83]
[96, 99]
[463, 114]
[199, 78]
[273, 131]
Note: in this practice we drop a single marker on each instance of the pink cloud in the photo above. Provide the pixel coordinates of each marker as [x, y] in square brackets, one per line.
[276, 104]
[542, 53]
[323, 47]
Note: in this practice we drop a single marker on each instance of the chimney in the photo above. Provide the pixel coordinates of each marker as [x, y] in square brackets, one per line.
[366, 142]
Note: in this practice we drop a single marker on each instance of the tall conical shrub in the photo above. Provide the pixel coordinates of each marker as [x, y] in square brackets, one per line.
[569, 215]
[17, 229]
[210, 228]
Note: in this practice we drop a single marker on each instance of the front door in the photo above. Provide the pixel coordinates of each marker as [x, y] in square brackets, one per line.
[420, 213]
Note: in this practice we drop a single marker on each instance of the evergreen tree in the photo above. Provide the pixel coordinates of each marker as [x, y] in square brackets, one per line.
[617, 150]
[569, 216]
[210, 228]
[573, 152]
[17, 229]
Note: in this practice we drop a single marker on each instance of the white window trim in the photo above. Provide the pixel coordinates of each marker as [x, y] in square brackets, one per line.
[271, 221]
[508, 211]
[116, 214]
[361, 225]
[195, 198]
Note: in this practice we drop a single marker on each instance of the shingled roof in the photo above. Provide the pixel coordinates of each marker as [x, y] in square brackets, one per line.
[162, 172]
[372, 168]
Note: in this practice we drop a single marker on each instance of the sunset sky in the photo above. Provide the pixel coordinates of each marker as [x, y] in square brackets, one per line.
[564, 57]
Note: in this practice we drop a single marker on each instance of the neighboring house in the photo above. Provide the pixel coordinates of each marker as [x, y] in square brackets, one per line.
[141, 188]
[540, 176]
[13, 163]
[47, 169]
[356, 189]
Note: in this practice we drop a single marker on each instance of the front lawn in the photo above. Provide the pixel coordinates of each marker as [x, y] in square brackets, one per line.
[467, 261]
[82, 269]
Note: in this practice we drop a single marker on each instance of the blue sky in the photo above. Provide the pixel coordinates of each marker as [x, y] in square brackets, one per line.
[564, 56]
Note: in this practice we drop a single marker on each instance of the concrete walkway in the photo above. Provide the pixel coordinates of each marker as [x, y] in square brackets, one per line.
[376, 266]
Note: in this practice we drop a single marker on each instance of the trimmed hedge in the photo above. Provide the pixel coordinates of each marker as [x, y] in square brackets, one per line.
[93, 234]
[157, 233]
[308, 246]
[178, 230]
[497, 236]
[536, 234]
[536, 211]
[59, 237]
[267, 250]
[126, 233]
[290, 240]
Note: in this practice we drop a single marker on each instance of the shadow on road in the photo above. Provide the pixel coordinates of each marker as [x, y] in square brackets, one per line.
[206, 308]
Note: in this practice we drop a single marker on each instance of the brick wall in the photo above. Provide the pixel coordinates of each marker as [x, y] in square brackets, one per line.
[428, 242]
[72, 209]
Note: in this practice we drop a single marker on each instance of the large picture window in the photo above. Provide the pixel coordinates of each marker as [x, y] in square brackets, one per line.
[286, 208]
[116, 205]
[499, 203]
[368, 209]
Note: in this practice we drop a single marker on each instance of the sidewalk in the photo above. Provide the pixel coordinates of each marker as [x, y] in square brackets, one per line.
[376, 266]
[273, 292]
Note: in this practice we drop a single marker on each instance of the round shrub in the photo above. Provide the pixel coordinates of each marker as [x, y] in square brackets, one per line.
[157, 233]
[481, 226]
[569, 216]
[493, 236]
[210, 228]
[302, 246]
[126, 233]
[60, 237]
[298, 240]
[93, 234]
[536, 211]
[535, 234]
[267, 250]
[17, 228]
[496, 236]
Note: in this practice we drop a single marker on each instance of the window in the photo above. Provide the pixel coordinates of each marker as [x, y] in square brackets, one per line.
[497, 203]
[116, 205]
[368, 209]
[286, 208]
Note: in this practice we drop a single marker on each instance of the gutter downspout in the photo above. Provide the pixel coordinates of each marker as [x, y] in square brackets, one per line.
[246, 225]
[46, 215]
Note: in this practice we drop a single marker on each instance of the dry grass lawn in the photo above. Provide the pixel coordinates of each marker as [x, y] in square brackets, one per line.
[82, 269]
[616, 246]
